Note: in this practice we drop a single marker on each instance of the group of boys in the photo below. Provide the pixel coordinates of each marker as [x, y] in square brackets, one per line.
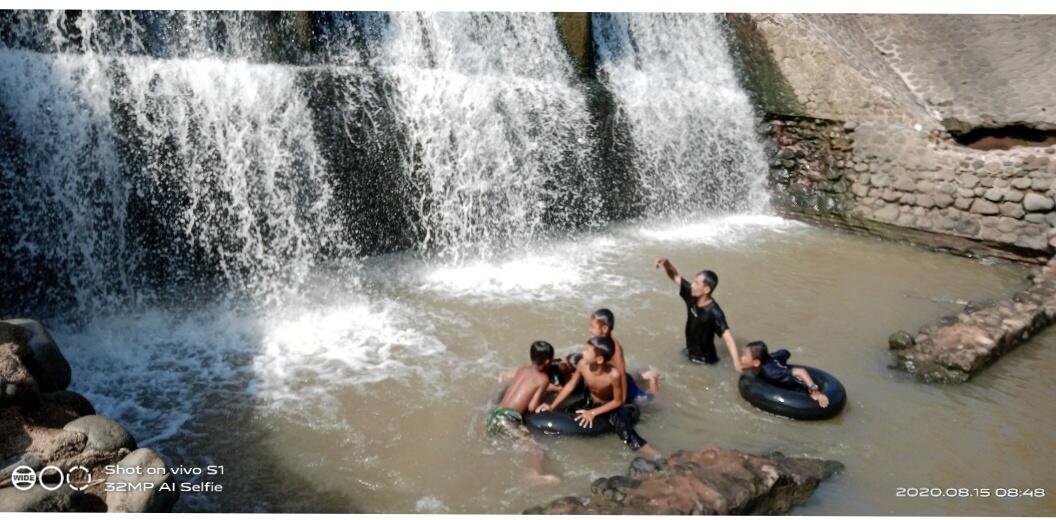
[610, 389]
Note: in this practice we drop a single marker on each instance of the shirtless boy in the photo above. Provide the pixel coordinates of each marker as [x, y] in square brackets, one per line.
[605, 385]
[524, 393]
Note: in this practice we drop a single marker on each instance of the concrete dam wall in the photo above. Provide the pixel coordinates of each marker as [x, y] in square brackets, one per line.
[932, 123]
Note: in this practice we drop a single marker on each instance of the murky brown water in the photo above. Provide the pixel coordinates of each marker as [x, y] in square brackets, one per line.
[412, 440]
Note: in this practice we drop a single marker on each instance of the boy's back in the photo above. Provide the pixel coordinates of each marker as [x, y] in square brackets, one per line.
[527, 383]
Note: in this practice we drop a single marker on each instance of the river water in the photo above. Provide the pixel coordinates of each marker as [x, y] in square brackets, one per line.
[308, 262]
[374, 400]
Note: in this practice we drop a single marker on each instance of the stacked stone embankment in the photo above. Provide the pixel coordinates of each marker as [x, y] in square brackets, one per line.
[890, 95]
[54, 449]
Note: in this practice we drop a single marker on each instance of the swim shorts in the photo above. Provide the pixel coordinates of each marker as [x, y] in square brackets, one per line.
[507, 422]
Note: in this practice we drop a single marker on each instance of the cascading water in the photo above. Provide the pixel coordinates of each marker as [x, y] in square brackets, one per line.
[187, 197]
[496, 128]
[691, 123]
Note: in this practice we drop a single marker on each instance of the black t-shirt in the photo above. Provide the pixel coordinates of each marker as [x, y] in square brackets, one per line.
[775, 370]
[702, 325]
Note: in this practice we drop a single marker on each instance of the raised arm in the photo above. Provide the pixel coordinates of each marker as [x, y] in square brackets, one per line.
[669, 268]
[731, 346]
[569, 387]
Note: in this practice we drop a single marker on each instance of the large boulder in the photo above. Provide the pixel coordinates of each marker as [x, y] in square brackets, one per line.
[707, 481]
[37, 500]
[57, 409]
[153, 499]
[104, 434]
[47, 363]
[17, 386]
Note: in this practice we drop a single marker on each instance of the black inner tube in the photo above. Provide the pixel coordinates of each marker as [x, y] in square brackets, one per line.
[794, 402]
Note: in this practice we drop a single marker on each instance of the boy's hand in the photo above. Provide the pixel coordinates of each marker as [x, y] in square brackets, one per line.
[585, 418]
[661, 261]
[545, 407]
[821, 398]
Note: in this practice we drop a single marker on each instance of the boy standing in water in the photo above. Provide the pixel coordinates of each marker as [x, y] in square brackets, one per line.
[602, 321]
[772, 367]
[524, 393]
[605, 384]
[704, 317]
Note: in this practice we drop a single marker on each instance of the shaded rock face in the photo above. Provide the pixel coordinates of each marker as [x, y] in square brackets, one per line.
[42, 424]
[47, 364]
[708, 481]
[957, 347]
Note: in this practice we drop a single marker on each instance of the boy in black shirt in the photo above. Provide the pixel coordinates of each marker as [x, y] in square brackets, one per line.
[773, 368]
[704, 317]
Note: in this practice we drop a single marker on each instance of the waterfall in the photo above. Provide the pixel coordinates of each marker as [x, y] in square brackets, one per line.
[149, 155]
[692, 125]
[123, 173]
[496, 127]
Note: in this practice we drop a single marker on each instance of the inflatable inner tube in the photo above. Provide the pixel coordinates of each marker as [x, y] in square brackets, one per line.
[563, 422]
[794, 402]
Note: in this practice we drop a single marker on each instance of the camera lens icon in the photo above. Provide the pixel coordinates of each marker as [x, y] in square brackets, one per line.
[23, 478]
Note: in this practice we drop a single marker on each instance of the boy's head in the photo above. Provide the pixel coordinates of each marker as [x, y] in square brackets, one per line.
[541, 353]
[703, 283]
[602, 321]
[754, 354]
[599, 347]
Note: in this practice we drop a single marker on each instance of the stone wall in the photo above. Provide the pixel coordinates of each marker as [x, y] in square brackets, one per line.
[870, 106]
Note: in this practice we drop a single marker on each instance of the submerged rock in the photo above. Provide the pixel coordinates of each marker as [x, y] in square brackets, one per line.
[954, 350]
[707, 481]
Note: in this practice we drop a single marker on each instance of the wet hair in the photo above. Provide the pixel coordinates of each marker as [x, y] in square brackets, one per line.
[606, 317]
[710, 279]
[604, 346]
[541, 352]
[758, 350]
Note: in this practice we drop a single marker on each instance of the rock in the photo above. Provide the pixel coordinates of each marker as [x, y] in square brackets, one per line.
[1021, 183]
[888, 213]
[707, 481]
[1036, 203]
[968, 181]
[984, 207]
[27, 459]
[48, 366]
[56, 409]
[104, 434]
[37, 500]
[17, 385]
[994, 194]
[150, 500]
[1012, 209]
[954, 350]
[942, 200]
[900, 340]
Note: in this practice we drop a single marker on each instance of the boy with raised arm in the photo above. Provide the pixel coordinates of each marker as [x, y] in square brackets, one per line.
[605, 386]
[523, 394]
[704, 317]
